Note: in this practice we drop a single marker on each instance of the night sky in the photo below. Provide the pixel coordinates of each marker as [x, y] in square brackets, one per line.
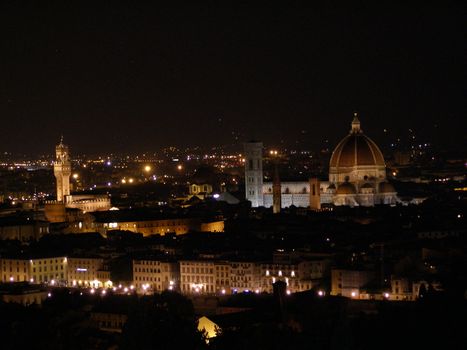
[137, 78]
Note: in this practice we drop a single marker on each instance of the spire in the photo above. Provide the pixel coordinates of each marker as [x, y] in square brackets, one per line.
[355, 124]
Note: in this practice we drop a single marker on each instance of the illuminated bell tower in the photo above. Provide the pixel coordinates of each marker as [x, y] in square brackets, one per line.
[254, 173]
[62, 170]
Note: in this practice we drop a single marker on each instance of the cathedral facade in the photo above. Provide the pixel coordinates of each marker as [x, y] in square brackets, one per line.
[357, 177]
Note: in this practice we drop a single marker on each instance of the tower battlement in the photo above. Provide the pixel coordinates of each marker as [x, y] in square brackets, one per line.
[62, 170]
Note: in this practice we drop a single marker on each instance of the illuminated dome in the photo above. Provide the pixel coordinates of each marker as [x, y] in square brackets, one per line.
[356, 149]
[346, 188]
[386, 187]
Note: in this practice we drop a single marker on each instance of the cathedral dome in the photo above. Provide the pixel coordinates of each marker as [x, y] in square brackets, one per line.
[356, 149]
[386, 187]
[346, 188]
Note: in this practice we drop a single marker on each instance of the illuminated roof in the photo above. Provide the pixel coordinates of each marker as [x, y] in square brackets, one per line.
[356, 149]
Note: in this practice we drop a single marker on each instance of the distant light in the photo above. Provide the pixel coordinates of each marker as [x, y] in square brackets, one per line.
[130, 180]
[288, 292]
[147, 168]
[353, 294]
[104, 292]
[125, 289]
[49, 295]
[92, 291]
[11, 279]
[320, 293]
[109, 163]
[216, 195]
[75, 176]
[223, 291]
[386, 295]
[179, 167]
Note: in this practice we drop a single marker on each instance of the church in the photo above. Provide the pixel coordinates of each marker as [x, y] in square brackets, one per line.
[357, 177]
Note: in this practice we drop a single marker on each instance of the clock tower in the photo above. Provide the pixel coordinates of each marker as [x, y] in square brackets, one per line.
[62, 171]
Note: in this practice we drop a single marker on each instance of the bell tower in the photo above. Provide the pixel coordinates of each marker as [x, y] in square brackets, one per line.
[254, 173]
[62, 171]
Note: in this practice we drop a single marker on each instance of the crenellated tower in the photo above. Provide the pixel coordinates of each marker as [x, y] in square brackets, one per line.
[62, 171]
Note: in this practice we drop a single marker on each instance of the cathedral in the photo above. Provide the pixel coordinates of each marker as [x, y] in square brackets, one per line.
[357, 177]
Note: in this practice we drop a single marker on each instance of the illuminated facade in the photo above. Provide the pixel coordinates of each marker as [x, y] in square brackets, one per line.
[55, 210]
[230, 277]
[51, 270]
[222, 278]
[200, 189]
[153, 275]
[357, 177]
[244, 276]
[198, 277]
[14, 270]
[160, 226]
[62, 171]
[254, 173]
[298, 276]
[83, 272]
[357, 172]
